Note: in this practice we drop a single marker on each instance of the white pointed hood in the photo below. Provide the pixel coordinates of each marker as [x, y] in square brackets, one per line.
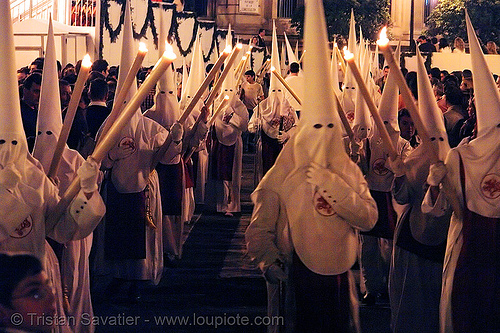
[14, 156]
[431, 115]
[349, 84]
[334, 68]
[362, 125]
[49, 122]
[166, 109]
[487, 97]
[13, 146]
[195, 78]
[481, 156]
[388, 108]
[275, 62]
[318, 139]
[289, 52]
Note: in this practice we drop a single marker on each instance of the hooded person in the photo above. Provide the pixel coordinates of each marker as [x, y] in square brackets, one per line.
[226, 151]
[28, 197]
[133, 231]
[349, 87]
[376, 245]
[195, 136]
[275, 116]
[175, 198]
[471, 271]
[309, 207]
[419, 239]
[73, 255]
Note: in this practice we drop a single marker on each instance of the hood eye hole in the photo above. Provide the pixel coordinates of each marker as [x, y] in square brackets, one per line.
[39, 132]
[14, 142]
[330, 125]
[318, 126]
[433, 139]
[386, 122]
[49, 132]
[170, 92]
[2, 141]
[441, 139]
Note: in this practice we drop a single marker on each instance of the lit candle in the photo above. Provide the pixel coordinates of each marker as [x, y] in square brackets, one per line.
[383, 44]
[218, 85]
[124, 89]
[205, 83]
[218, 111]
[243, 68]
[110, 139]
[70, 115]
[264, 69]
[386, 139]
[287, 86]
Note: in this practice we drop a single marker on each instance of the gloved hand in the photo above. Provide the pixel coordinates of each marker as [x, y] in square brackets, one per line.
[274, 274]
[283, 137]
[318, 175]
[177, 131]
[437, 172]
[120, 152]
[88, 173]
[396, 166]
[9, 176]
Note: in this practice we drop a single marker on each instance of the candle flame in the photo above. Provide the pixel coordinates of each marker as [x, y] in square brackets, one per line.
[348, 55]
[248, 52]
[335, 44]
[226, 98]
[142, 47]
[169, 52]
[273, 69]
[244, 58]
[239, 46]
[86, 61]
[227, 49]
[383, 40]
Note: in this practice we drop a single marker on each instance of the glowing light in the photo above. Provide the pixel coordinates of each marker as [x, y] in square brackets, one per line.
[383, 40]
[169, 52]
[86, 61]
[142, 47]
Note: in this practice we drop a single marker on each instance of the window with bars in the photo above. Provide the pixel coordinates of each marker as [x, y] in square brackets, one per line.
[286, 8]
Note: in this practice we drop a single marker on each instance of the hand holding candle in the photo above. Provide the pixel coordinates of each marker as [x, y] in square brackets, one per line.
[110, 139]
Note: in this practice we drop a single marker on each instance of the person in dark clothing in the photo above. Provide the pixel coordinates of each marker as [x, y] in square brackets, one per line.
[424, 45]
[29, 106]
[97, 111]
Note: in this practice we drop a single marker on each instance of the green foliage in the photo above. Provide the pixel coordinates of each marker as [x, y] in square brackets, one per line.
[370, 14]
[448, 19]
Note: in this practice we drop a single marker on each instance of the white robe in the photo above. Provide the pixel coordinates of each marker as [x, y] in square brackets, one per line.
[227, 193]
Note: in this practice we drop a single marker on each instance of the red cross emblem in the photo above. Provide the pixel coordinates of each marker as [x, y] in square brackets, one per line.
[490, 186]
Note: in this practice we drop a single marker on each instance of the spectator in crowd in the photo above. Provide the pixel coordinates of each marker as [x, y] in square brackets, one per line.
[458, 45]
[491, 47]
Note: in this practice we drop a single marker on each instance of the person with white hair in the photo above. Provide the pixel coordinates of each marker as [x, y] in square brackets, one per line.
[309, 207]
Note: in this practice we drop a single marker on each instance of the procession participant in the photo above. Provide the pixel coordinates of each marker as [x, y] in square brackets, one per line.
[275, 117]
[29, 106]
[226, 152]
[296, 82]
[470, 289]
[28, 197]
[251, 95]
[166, 111]
[73, 255]
[309, 208]
[376, 245]
[419, 239]
[133, 231]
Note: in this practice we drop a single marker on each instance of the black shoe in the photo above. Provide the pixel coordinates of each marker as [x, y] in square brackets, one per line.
[369, 299]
